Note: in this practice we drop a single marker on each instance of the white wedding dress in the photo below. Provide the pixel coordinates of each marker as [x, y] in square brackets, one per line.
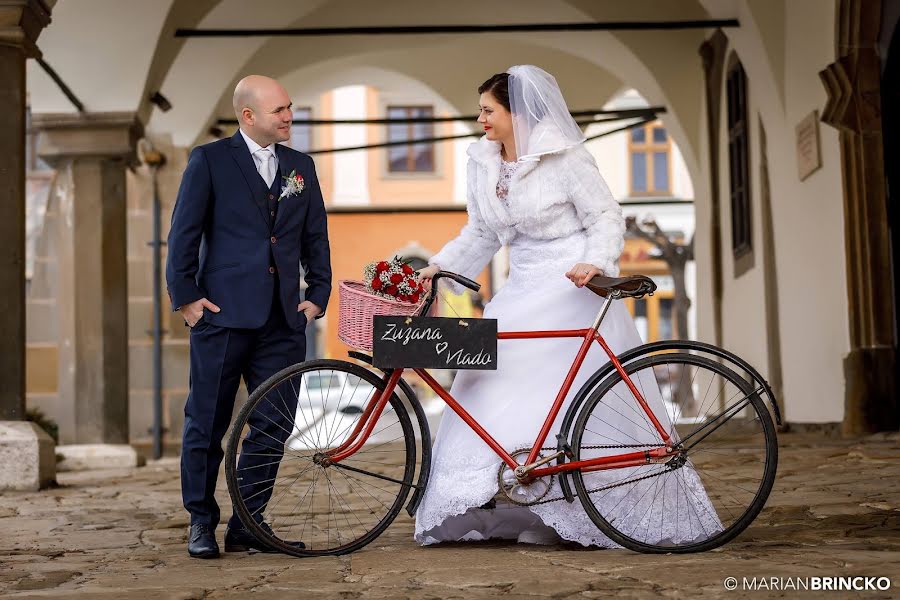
[513, 401]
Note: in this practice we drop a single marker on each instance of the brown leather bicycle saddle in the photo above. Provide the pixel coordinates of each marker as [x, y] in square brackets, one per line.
[634, 286]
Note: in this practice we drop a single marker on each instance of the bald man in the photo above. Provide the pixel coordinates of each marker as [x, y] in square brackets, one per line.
[239, 236]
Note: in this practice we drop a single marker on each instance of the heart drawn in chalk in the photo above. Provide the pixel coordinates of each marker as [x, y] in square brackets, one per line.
[440, 347]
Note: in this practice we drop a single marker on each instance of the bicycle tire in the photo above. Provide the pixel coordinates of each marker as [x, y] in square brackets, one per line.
[766, 482]
[370, 533]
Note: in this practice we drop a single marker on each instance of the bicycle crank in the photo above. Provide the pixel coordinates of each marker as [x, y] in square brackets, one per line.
[515, 486]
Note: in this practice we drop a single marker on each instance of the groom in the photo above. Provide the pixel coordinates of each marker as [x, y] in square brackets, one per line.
[235, 248]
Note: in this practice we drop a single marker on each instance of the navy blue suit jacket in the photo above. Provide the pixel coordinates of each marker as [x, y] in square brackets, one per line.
[224, 247]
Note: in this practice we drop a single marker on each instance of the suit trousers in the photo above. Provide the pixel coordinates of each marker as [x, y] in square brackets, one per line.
[219, 358]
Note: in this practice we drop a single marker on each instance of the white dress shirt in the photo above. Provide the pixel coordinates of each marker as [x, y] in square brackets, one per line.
[257, 160]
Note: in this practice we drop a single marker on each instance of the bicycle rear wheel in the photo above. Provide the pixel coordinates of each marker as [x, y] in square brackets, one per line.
[280, 487]
[706, 493]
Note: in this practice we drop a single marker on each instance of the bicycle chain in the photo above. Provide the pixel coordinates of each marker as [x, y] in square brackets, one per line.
[611, 486]
[653, 445]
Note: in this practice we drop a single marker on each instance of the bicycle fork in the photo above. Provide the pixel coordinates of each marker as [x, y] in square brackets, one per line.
[366, 423]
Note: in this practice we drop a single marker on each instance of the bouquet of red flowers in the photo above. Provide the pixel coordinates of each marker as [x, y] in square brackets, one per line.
[393, 279]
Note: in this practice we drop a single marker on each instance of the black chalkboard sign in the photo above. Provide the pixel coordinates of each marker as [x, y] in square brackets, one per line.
[434, 343]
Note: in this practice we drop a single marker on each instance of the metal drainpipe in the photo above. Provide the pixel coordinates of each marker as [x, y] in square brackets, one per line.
[155, 159]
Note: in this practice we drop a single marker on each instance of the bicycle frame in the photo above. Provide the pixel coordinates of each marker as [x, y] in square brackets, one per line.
[377, 403]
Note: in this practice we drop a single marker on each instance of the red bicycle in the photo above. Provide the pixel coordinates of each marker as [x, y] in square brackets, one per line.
[328, 451]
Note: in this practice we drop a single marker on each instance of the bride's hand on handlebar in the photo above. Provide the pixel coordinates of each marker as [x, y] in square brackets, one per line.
[425, 275]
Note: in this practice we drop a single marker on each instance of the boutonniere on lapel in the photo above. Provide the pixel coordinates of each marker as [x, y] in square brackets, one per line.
[293, 184]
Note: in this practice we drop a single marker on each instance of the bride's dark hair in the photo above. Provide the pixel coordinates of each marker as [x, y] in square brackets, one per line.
[498, 87]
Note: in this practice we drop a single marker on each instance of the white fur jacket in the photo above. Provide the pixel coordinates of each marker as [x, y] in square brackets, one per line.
[556, 196]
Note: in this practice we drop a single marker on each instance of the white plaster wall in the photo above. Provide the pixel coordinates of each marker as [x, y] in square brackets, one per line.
[682, 186]
[351, 172]
[808, 215]
[611, 154]
[743, 300]
[460, 160]
[809, 230]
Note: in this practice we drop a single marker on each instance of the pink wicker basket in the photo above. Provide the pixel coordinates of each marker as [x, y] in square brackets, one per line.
[358, 306]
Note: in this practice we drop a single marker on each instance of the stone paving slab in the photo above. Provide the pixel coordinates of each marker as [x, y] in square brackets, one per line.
[835, 511]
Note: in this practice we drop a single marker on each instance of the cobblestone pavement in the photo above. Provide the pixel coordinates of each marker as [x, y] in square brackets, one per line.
[835, 511]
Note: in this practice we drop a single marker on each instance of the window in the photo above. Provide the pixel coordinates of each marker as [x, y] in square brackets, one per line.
[666, 330]
[738, 160]
[411, 158]
[301, 133]
[640, 318]
[654, 316]
[649, 152]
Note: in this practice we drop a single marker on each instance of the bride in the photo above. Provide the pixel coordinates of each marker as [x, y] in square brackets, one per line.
[532, 185]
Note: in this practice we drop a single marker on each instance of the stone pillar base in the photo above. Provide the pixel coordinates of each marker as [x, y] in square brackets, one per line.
[870, 404]
[27, 460]
[87, 457]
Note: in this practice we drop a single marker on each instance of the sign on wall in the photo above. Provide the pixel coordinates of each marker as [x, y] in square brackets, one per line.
[809, 155]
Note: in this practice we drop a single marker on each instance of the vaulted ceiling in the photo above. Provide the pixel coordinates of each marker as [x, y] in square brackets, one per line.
[114, 54]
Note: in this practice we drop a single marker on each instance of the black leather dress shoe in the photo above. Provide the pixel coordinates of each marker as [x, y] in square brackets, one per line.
[241, 540]
[489, 505]
[202, 542]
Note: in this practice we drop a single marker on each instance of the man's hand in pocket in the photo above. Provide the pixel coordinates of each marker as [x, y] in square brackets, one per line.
[309, 309]
[193, 312]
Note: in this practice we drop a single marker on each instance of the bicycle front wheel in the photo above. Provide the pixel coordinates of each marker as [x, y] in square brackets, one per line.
[282, 489]
[714, 483]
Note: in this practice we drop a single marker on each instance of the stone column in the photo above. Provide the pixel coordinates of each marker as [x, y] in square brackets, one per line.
[26, 452]
[853, 84]
[90, 153]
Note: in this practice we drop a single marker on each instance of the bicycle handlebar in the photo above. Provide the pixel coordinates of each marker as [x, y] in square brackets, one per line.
[463, 281]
